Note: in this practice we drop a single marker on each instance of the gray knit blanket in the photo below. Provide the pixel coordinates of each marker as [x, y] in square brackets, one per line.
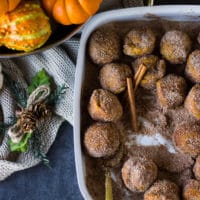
[59, 62]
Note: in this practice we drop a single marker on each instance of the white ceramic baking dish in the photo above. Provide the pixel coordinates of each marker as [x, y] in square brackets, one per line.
[175, 13]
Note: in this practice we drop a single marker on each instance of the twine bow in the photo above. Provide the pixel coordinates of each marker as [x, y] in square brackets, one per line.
[28, 117]
[38, 95]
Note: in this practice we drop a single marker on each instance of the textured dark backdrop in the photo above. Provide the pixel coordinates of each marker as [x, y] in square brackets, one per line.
[58, 183]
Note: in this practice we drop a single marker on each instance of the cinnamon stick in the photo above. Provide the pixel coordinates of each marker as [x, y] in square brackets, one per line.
[131, 95]
[137, 72]
[139, 75]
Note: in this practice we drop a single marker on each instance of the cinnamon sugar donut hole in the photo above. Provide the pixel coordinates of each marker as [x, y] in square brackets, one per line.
[139, 42]
[104, 106]
[191, 191]
[192, 69]
[175, 46]
[162, 190]
[139, 173]
[192, 101]
[104, 46]
[186, 138]
[113, 77]
[156, 69]
[101, 139]
[196, 168]
[171, 91]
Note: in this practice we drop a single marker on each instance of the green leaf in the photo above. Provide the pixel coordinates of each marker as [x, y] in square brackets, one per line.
[22, 146]
[40, 78]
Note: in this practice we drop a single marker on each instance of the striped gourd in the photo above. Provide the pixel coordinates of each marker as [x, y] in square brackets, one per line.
[24, 29]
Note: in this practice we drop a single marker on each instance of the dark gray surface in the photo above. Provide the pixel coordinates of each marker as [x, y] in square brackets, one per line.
[42, 183]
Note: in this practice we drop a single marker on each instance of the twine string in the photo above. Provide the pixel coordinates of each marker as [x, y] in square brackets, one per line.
[38, 95]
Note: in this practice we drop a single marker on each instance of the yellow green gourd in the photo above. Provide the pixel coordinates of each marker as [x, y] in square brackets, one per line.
[26, 28]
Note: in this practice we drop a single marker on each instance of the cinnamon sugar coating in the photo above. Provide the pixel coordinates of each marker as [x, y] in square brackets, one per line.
[196, 168]
[186, 138]
[162, 190]
[156, 69]
[101, 139]
[192, 69]
[104, 106]
[175, 46]
[139, 42]
[191, 191]
[139, 173]
[113, 77]
[104, 46]
[160, 114]
[171, 90]
[192, 101]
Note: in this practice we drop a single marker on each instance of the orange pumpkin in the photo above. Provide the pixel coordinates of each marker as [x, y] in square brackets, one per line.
[8, 5]
[69, 12]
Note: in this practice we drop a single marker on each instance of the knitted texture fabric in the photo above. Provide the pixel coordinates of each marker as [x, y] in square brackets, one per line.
[59, 62]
